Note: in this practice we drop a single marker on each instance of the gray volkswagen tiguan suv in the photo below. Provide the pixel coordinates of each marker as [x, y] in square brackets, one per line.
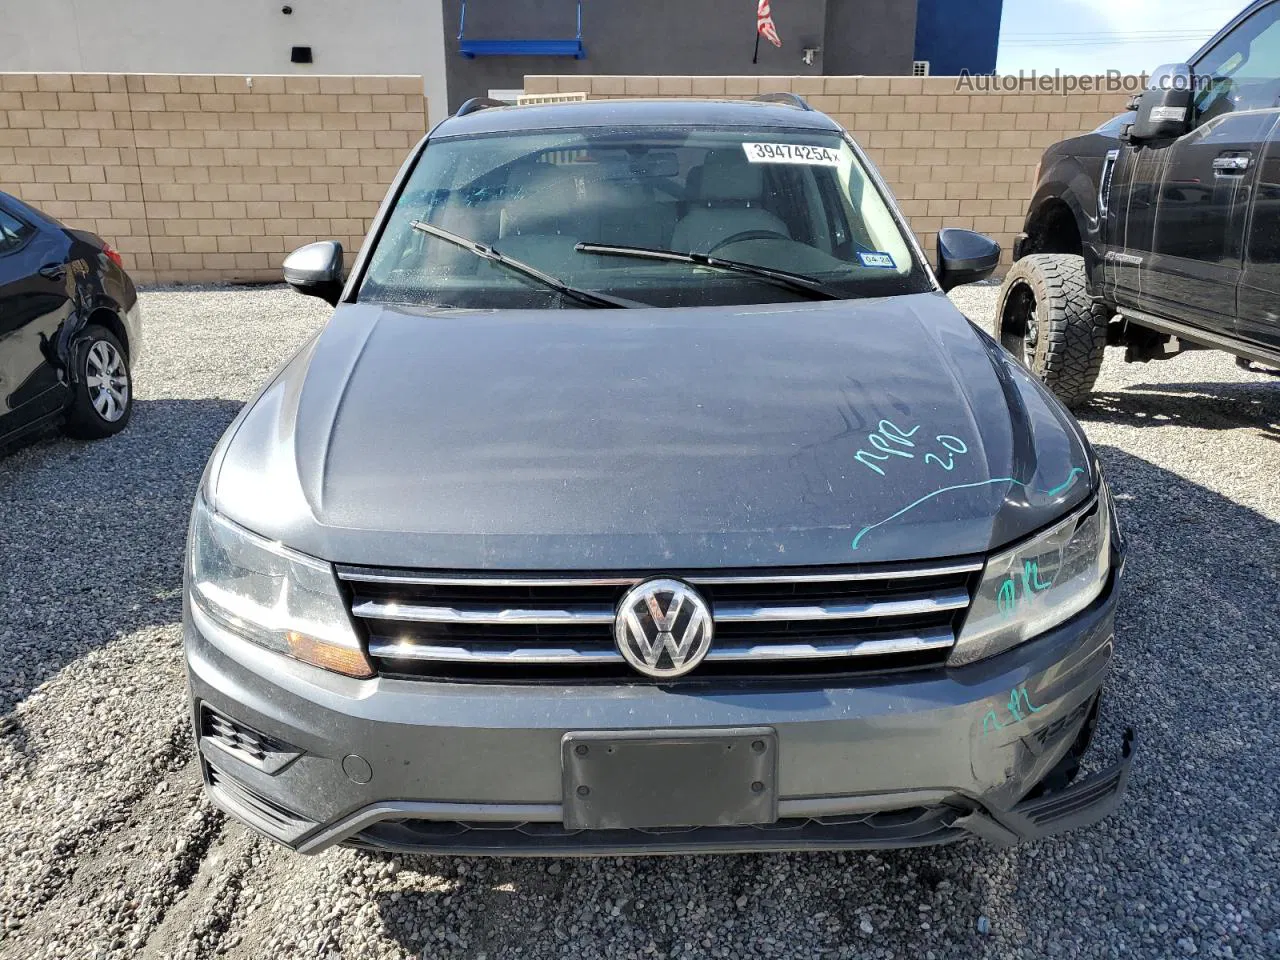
[645, 492]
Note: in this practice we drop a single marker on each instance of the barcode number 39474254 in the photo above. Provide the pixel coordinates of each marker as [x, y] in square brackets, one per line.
[791, 153]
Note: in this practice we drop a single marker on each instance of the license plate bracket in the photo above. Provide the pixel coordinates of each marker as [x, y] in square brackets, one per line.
[617, 780]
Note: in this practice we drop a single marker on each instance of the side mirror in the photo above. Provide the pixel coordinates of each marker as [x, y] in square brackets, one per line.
[316, 270]
[1164, 108]
[965, 257]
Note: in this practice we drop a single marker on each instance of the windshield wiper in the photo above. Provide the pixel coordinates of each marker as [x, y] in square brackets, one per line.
[798, 282]
[487, 252]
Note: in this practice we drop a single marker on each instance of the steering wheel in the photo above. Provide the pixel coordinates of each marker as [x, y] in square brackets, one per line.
[744, 235]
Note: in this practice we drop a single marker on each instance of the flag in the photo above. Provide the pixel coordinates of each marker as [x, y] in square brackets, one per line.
[764, 23]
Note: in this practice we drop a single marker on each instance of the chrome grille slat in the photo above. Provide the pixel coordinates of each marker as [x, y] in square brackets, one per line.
[841, 576]
[721, 652]
[359, 575]
[494, 654]
[355, 575]
[724, 613]
[824, 651]
[419, 614]
[526, 626]
[738, 612]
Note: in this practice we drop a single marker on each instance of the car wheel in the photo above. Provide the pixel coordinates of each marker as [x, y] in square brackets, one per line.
[103, 399]
[1046, 318]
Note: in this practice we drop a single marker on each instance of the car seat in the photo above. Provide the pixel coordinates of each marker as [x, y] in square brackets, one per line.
[725, 199]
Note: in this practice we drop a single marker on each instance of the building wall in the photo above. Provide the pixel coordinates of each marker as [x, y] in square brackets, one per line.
[958, 37]
[952, 158]
[196, 178]
[679, 37]
[869, 37]
[226, 36]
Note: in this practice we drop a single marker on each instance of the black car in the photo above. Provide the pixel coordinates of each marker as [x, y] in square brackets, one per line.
[1160, 231]
[70, 328]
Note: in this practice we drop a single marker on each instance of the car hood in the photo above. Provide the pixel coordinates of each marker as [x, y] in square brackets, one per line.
[785, 434]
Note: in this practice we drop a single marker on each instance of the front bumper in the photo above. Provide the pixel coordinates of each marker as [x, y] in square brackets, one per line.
[313, 759]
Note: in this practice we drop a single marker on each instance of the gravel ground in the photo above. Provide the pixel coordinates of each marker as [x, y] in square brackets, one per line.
[108, 850]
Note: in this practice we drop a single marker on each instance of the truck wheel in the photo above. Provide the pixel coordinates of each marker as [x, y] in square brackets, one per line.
[1047, 319]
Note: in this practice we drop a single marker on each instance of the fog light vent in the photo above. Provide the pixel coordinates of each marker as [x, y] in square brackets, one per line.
[245, 743]
[1047, 734]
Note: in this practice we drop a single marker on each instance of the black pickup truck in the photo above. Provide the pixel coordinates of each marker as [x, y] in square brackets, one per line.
[1160, 230]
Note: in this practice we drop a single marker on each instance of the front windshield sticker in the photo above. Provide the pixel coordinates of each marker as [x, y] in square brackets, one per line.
[792, 153]
[878, 259]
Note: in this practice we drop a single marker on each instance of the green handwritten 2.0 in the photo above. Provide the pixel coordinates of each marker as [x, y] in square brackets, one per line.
[1019, 707]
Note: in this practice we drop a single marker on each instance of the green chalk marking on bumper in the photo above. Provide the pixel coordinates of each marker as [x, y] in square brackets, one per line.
[1018, 701]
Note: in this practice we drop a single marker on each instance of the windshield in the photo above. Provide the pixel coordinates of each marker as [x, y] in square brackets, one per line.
[796, 201]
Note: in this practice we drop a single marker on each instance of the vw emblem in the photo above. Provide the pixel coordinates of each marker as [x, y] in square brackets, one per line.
[663, 628]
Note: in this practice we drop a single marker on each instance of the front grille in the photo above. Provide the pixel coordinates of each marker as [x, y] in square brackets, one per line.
[786, 624]
[914, 826]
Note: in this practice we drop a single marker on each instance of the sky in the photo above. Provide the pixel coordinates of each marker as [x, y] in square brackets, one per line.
[1094, 36]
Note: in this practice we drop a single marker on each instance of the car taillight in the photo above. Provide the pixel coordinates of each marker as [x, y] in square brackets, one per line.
[112, 255]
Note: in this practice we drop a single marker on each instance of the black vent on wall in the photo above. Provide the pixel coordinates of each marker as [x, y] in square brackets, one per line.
[300, 55]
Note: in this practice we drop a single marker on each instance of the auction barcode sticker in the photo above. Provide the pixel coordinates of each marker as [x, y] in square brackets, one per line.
[792, 153]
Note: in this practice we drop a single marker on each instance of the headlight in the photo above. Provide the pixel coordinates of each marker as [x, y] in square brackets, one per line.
[269, 594]
[1036, 586]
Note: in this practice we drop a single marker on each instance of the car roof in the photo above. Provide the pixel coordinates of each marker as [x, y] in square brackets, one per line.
[640, 113]
[25, 211]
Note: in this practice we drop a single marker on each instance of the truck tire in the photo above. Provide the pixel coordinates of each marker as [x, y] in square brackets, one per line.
[1047, 319]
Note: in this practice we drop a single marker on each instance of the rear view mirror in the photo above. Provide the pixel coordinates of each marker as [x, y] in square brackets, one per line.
[616, 165]
[1164, 108]
[965, 257]
[657, 163]
[316, 270]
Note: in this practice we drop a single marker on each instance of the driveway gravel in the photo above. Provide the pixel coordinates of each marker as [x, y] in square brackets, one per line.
[107, 848]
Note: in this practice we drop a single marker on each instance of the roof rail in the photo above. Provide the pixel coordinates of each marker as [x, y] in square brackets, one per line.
[532, 99]
[479, 103]
[790, 99]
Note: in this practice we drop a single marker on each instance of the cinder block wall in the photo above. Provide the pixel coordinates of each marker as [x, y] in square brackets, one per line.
[953, 157]
[198, 178]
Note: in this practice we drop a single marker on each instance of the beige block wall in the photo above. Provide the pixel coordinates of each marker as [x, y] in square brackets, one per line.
[200, 178]
[953, 157]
